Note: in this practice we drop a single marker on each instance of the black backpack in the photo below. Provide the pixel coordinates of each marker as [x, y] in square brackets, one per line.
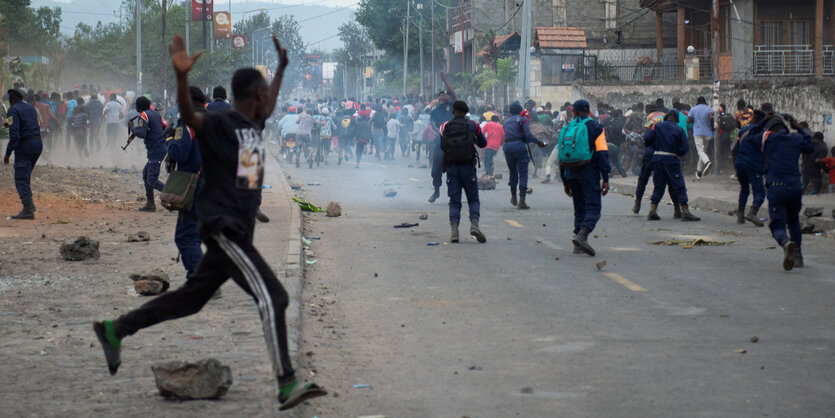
[727, 122]
[458, 142]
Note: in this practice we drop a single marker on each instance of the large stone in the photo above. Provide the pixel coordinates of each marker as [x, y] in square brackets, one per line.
[139, 237]
[812, 212]
[205, 379]
[486, 182]
[82, 248]
[334, 210]
[151, 282]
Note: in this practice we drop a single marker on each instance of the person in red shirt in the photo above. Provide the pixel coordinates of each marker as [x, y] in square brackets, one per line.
[830, 167]
[494, 131]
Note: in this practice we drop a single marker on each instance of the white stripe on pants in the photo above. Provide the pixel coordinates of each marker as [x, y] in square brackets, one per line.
[701, 143]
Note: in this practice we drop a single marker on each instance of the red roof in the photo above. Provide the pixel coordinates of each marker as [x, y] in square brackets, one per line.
[560, 37]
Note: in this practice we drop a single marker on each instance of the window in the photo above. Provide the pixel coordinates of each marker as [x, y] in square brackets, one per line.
[558, 70]
[771, 32]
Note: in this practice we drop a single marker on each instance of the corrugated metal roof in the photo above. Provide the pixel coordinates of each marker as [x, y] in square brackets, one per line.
[560, 37]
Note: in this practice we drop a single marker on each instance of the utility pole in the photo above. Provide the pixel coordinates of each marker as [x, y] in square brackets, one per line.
[164, 51]
[138, 48]
[432, 80]
[187, 4]
[420, 44]
[406, 47]
[205, 39]
[714, 25]
[525, 51]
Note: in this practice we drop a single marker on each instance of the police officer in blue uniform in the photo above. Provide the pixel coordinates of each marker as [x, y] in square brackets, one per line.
[517, 131]
[184, 151]
[25, 142]
[670, 143]
[150, 126]
[782, 181]
[583, 185]
[749, 169]
[440, 114]
[462, 174]
[219, 102]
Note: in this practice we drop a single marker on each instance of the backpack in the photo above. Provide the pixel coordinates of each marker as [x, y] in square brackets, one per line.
[574, 149]
[346, 122]
[457, 142]
[727, 122]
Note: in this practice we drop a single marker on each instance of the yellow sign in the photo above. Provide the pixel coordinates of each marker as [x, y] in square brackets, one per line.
[223, 25]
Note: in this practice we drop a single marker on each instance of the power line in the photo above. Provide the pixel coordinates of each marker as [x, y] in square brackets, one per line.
[328, 13]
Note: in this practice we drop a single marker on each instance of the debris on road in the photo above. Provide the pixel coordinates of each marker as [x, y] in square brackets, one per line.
[529, 190]
[406, 225]
[205, 379]
[812, 212]
[307, 206]
[423, 216]
[140, 236]
[526, 390]
[313, 238]
[390, 193]
[741, 351]
[151, 282]
[476, 368]
[601, 264]
[334, 210]
[498, 176]
[693, 243]
[310, 261]
[82, 248]
[363, 386]
[266, 187]
[808, 228]
[487, 182]
[755, 339]
[295, 186]
[315, 183]
[432, 243]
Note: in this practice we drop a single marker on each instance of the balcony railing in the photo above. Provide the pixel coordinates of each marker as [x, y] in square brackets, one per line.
[828, 60]
[784, 60]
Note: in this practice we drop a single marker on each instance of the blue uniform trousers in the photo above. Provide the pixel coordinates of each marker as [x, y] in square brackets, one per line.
[784, 210]
[753, 179]
[437, 164]
[188, 241]
[150, 175]
[668, 173]
[517, 162]
[586, 195]
[458, 177]
[24, 163]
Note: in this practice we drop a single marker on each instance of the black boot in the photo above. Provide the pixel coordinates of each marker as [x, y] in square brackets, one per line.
[637, 207]
[789, 250]
[752, 216]
[798, 258]
[150, 206]
[522, 204]
[581, 240]
[435, 195]
[454, 235]
[261, 216]
[28, 212]
[686, 216]
[653, 213]
[740, 215]
[513, 197]
[577, 250]
[676, 211]
[474, 231]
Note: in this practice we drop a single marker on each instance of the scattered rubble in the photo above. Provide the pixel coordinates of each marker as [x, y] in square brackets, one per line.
[407, 225]
[82, 248]
[487, 182]
[423, 216]
[139, 237]
[812, 212]
[601, 264]
[334, 210]
[150, 283]
[692, 243]
[205, 379]
[390, 193]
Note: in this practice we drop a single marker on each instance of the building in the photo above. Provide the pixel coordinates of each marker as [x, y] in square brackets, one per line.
[756, 38]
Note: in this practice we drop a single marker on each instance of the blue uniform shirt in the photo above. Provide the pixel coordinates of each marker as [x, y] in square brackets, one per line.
[149, 126]
[667, 137]
[517, 133]
[183, 149]
[218, 105]
[440, 114]
[750, 155]
[22, 119]
[599, 166]
[782, 152]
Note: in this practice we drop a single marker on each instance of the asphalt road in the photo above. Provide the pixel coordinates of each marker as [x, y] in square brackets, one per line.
[519, 326]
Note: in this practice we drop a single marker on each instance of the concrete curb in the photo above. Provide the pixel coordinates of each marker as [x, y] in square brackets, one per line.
[724, 206]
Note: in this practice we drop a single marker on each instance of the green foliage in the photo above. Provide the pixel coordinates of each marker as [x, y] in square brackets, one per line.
[28, 31]
[383, 21]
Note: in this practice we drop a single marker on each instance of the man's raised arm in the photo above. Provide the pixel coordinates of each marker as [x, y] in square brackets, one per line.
[275, 85]
[449, 87]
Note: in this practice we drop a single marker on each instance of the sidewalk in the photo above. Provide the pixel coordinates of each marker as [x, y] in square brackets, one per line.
[720, 193]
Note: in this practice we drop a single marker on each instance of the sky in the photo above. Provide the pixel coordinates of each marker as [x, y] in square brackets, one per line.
[312, 30]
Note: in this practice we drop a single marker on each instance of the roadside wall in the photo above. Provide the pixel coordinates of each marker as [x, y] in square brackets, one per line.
[812, 100]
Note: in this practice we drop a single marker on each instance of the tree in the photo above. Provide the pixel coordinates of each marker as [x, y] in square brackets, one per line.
[352, 54]
[505, 74]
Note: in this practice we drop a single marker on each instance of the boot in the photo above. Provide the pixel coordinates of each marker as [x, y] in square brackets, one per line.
[474, 231]
[150, 206]
[637, 207]
[653, 212]
[581, 240]
[513, 197]
[740, 215]
[435, 195]
[686, 216]
[261, 216]
[577, 250]
[676, 211]
[522, 204]
[28, 212]
[752, 216]
[798, 258]
[454, 237]
[789, 250]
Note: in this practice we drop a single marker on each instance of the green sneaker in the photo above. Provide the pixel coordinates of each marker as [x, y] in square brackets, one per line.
[297, 393]
[109, 343]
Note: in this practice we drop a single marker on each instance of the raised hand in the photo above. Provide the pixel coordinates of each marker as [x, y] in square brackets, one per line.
[182, 62]
[282, 54]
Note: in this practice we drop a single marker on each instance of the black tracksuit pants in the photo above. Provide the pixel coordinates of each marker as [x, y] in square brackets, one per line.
[224, 259]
